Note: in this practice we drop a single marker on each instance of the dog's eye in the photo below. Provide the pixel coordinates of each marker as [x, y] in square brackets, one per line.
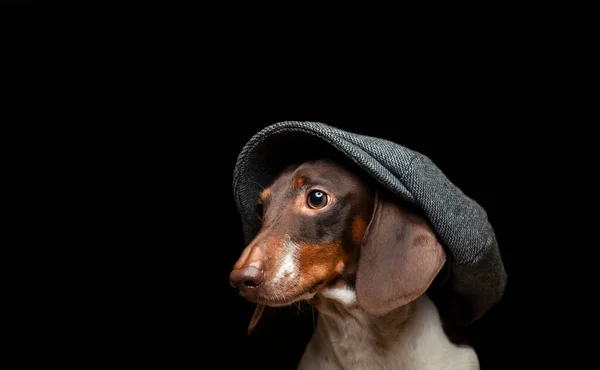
[317, 199]
[260, 211]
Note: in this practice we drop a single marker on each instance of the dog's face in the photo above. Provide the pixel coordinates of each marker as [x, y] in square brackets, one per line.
[313, 220]
[321, 224]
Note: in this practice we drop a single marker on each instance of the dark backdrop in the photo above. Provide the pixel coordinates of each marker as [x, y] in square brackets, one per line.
[136, 121]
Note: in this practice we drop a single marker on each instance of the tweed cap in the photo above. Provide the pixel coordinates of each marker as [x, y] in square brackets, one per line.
[477, 272]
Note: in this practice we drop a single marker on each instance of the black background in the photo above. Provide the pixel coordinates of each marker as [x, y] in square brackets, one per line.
[141, 118]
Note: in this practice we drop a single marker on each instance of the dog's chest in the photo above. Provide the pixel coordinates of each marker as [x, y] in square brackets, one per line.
[340, 345]
[353, 347]
[350, 340]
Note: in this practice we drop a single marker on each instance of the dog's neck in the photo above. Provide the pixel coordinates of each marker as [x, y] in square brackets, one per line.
[410, 337]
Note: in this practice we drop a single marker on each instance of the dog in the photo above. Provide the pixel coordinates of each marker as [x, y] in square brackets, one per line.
[329, 236]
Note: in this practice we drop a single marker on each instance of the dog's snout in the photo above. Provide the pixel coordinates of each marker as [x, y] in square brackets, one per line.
[246, 278]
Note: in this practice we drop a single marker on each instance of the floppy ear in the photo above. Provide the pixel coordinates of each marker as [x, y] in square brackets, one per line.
[399, 259]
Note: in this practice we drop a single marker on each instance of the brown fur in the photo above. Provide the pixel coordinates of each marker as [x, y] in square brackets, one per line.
[298, 182]
[322, 262]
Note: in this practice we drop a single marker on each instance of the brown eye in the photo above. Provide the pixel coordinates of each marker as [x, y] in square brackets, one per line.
[260, 211]
[317, 199]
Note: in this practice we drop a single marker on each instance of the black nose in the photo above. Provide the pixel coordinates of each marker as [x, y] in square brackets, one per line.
[246, 279]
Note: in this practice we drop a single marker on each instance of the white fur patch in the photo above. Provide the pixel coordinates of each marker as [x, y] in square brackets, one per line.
[288, 268]
[344, 295]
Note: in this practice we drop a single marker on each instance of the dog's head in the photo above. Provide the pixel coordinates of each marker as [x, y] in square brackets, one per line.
[322, 224]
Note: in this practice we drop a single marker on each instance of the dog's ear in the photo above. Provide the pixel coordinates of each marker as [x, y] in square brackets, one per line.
[399, 258]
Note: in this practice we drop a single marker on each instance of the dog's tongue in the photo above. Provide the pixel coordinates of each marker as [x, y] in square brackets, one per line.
[255, 318]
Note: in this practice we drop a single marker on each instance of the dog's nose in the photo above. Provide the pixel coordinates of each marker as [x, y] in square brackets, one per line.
[246, 278]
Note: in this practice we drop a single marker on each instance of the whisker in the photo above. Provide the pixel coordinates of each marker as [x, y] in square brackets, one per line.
[299, 309]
